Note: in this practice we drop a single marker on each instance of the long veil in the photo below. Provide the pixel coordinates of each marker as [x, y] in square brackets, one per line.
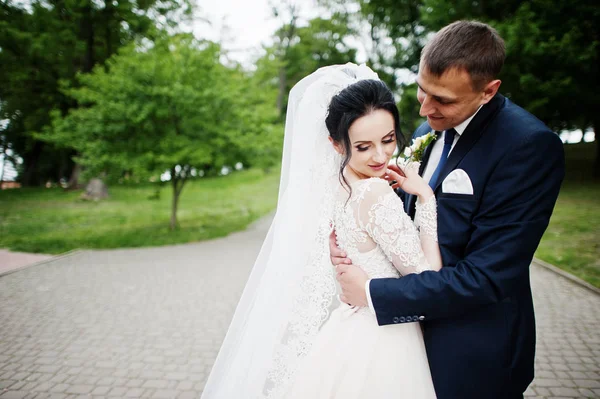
[291, 287]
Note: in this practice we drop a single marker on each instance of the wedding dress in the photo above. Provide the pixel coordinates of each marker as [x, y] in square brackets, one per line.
[283, 341]
[352, 356]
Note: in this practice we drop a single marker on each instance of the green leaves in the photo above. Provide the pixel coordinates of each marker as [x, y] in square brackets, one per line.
[173, 104]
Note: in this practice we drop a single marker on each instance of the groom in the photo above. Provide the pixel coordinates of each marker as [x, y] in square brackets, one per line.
[496, 171]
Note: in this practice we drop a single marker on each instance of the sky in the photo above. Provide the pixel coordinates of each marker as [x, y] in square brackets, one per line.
[243, 25]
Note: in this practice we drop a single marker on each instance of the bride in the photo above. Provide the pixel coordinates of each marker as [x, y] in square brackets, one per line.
[285, 342]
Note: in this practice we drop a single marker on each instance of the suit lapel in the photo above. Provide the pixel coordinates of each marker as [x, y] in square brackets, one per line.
[470, 136]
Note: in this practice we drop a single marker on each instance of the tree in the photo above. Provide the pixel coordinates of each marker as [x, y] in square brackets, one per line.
[299, 50]
[171, 107]
[45, 42]
[408, 107]
[553, 49]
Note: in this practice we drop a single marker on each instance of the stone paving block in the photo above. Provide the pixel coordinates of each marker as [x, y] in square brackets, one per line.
[587, 383]
[80, 389]
[586, 393]
[60, 388]
[100, 390]
[5, 384]
[14, 395]
[18, 385]
[44, 387]
[185, 385]
[565, 392]
[105, 381]
[156, 384]
[165, 394]
[117, 338]
[135, 383]
[118, 391]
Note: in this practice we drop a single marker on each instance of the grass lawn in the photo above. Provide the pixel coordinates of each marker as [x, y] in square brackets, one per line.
[572, 241]
[54, 221]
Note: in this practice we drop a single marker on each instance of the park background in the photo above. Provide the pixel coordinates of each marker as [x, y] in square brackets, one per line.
[177, 113]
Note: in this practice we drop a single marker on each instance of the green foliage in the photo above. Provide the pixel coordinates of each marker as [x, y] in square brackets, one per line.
[174, 104]
[571, 241]
[318, 44]
[300, 50]
[43, 43]
[53, 221]
[408, 107]
[553, 49]
[172, 107]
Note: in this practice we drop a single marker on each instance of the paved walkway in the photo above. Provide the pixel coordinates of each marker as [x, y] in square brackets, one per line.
[147, 323]
[14, 260]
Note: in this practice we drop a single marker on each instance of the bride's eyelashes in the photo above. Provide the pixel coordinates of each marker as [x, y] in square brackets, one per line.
[361, 149]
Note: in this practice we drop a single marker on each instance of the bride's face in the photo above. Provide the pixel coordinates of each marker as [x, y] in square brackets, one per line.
[373, 142]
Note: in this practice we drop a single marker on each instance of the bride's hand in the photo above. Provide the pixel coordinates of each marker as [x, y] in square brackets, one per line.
[407, 178]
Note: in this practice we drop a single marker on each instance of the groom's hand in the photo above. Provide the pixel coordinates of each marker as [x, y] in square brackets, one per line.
[352, 280]
[337, 256]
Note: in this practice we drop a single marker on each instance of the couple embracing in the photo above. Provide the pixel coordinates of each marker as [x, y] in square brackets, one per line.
[433, 295]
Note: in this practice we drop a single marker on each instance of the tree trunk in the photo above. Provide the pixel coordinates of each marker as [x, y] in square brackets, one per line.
[108, 20]
[30, 160]
[3, 166]
[597, 138]
[178, 180]
[73, 183]
[173, 224]
[87, 33]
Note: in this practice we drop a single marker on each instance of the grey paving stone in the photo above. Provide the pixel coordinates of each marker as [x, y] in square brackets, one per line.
[14, 395]
[80, 389]
[144, 323]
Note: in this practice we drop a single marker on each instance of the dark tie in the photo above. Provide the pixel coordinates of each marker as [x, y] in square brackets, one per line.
[448, 139]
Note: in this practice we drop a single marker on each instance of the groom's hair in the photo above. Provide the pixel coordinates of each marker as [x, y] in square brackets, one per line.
[473, 46]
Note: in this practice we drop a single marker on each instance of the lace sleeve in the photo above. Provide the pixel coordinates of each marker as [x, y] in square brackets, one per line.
[381, 214]
[426, 218]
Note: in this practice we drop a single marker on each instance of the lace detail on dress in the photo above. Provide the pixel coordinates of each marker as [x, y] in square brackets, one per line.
[426, 218]
[376, 232]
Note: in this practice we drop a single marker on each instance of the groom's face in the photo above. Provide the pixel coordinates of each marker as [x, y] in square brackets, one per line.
[447, 100]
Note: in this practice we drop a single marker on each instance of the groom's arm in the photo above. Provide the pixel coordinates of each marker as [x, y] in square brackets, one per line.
[515, 210]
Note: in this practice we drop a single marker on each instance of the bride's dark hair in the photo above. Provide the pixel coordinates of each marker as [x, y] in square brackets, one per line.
[357, 100]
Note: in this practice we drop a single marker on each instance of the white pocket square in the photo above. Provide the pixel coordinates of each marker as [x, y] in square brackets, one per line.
[457, 182]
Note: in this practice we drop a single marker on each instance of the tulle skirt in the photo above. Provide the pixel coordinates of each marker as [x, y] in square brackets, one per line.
[355, 358]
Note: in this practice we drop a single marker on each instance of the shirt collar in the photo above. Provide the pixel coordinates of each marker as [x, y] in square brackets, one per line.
[460, 128]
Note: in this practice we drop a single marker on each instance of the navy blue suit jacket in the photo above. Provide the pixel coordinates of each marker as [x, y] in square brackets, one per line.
[477, 311]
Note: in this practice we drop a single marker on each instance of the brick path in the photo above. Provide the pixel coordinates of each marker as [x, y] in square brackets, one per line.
[147, 323]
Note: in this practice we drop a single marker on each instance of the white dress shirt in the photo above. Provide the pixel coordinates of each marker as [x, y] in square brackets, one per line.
[434, 157]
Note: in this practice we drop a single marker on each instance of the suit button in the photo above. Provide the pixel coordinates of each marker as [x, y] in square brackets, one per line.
[402, 319]
[421, 318]
[415, 318]
[396, 320]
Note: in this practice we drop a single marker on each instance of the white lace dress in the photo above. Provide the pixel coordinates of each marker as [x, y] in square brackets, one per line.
[352, 356]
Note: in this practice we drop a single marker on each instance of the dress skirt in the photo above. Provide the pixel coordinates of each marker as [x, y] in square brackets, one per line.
[355, 358]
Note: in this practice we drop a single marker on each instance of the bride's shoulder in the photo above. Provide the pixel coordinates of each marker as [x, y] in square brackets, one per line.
[373, 187]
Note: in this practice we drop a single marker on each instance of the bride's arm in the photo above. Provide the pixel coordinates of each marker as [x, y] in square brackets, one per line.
[426, 223]
[381, 214]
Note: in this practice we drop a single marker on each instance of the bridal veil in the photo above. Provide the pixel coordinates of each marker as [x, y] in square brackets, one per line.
[291, 287]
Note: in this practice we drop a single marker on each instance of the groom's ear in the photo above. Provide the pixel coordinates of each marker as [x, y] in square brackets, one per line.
[490, 90]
